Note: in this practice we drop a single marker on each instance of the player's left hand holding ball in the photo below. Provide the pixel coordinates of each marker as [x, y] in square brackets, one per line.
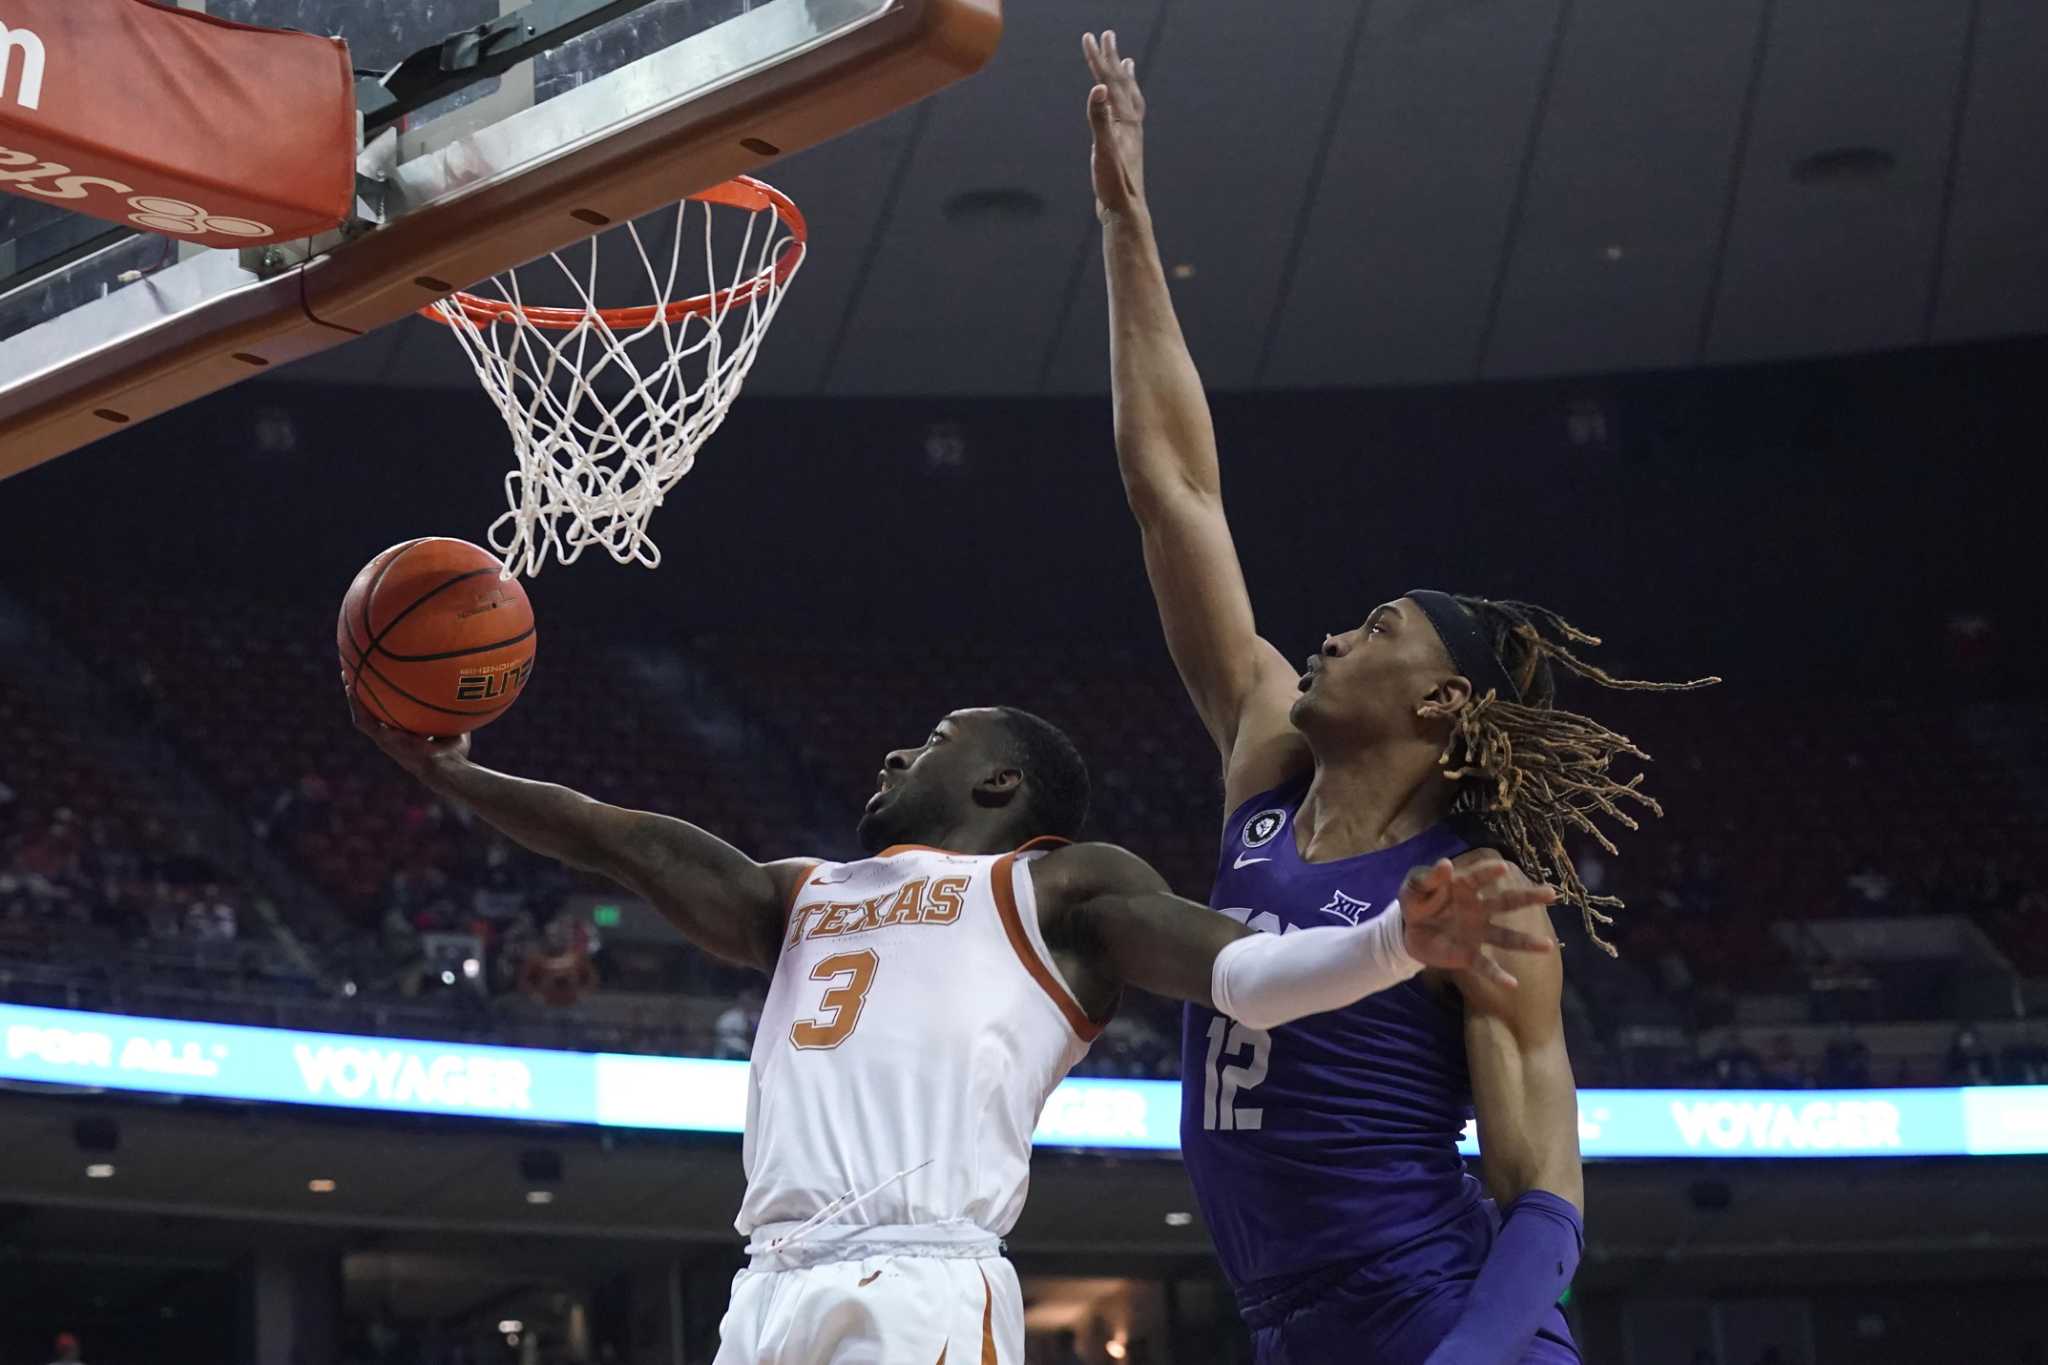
[1451, 915]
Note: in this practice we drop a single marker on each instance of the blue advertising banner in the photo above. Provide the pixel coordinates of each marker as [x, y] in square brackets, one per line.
[231, 1062]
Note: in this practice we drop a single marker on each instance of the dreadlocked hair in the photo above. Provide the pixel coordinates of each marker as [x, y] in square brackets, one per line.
[1530, 773]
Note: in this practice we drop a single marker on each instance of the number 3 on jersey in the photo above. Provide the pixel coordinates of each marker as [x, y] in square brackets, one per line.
[1220, 1084]
[842, 1002]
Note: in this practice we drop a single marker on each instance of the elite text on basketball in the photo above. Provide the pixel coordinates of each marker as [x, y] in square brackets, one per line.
[490, 686]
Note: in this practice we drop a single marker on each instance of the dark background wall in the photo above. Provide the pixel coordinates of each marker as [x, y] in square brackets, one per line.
[1824, 525]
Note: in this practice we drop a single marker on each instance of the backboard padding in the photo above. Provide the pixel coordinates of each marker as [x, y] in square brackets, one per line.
[772, 78]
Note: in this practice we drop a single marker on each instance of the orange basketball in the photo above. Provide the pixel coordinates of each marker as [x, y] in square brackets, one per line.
[432, 640]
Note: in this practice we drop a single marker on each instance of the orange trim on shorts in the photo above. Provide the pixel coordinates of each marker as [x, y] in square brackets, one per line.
[988, 1322]
[988, 1326]
[1013, 924]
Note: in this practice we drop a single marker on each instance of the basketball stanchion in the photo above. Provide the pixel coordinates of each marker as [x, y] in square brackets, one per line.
[608, 407]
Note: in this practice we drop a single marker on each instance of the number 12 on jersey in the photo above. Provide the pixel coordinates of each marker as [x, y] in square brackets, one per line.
[1221, 1084]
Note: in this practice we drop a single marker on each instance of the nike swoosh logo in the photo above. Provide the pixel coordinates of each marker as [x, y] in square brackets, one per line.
[1243, 861]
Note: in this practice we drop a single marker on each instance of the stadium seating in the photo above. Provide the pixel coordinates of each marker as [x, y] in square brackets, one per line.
[1781, 813]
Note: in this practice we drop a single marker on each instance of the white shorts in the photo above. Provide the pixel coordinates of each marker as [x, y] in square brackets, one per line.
[882, 1309]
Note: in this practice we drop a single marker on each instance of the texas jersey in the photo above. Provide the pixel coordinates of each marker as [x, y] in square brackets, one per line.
[914, 1027]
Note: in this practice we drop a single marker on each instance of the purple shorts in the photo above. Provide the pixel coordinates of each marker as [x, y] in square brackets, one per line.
[1392, 1309]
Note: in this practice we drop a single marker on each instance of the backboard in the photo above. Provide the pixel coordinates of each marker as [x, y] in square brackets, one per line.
[101, 328]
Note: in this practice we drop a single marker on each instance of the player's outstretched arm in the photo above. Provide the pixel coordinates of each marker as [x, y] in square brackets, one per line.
[1116, 919]
[723, 901]
[1166, 450]
[1527, 1105]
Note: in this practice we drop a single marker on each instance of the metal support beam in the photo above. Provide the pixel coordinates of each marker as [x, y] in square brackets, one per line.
[490, 49]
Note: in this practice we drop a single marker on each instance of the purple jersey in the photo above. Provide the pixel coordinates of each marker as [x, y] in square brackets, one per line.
[1333, 1138]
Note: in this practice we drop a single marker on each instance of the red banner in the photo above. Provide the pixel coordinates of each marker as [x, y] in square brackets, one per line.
[174, 121]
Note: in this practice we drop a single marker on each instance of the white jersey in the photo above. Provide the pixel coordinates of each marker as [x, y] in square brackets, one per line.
[916, 1023]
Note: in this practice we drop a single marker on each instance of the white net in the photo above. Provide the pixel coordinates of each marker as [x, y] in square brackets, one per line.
[608, 407]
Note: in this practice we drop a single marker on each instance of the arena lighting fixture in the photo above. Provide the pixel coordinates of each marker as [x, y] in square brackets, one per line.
[945, 446]
[540, 1196]
[510, 1325]
[1183, 271]
[1179, 1218]
[321, 1185]
[471, 968]
[447, 978]
[99, 1170]
[1613, 251]
[274, 432]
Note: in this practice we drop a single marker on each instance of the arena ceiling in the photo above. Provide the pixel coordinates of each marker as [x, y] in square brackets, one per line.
[1423, 191]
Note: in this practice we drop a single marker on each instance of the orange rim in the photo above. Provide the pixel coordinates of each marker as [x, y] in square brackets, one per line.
[741, 192]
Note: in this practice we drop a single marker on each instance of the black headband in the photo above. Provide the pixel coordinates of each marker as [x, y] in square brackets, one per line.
[1465, 641]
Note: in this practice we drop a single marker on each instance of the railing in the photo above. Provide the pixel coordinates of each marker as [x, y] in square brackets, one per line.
[456, 1015]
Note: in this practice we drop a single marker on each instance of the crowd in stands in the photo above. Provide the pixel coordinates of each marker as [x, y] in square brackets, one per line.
[92, 866]
[414, 918]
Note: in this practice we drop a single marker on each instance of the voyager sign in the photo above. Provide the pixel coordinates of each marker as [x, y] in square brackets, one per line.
[695, 1094]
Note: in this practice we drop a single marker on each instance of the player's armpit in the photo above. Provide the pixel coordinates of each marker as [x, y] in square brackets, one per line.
[719, 898]
[1241, 686]
[1266, 750]
[1112, 922]
[723, 901]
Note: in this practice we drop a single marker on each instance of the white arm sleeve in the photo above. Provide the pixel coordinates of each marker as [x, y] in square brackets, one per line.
[1269, 979]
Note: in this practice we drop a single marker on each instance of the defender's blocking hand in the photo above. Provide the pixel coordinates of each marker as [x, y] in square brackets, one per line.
[1116, 113]
[1450, 916]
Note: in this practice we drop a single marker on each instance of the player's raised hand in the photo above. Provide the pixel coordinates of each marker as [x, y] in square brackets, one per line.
[411, 752]
[1451, 915]
[1116, 113]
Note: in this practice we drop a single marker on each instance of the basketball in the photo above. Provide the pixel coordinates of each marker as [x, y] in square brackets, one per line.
[433, 640]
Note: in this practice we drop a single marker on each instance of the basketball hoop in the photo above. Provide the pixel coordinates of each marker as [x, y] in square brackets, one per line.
[608, 407]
